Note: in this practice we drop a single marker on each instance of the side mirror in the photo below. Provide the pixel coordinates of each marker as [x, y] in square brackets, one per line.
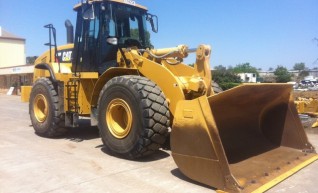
[88, 12]
[112, 41]
[153, 19]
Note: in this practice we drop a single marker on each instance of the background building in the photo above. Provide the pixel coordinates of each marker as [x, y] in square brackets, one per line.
[248, 77]
[13, 68]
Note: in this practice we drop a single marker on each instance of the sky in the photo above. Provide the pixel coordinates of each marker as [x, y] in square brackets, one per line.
[264, 33]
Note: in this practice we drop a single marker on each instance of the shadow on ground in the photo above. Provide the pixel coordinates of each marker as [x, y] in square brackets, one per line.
[177, 173]
[158, 155]
[82, 133]
[87, 132]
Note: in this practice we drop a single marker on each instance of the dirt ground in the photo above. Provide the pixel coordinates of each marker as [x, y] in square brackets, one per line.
[306, 94]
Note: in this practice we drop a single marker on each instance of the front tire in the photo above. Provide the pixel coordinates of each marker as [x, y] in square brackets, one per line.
[133, 116]
[44, 109]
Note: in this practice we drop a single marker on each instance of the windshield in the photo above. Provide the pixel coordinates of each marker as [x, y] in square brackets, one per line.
[128, 24]
[102, 21]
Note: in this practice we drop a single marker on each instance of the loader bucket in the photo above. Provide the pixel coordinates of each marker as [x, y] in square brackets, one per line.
[246, 139]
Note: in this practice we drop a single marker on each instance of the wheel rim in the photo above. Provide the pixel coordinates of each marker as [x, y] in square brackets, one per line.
[119, 118]
[40, 107]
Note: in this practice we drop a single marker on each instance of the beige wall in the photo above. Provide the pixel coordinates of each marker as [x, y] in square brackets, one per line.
[12, 52]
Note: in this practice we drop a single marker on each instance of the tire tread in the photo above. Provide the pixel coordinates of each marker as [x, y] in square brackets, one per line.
[56, 127]
[155, 112]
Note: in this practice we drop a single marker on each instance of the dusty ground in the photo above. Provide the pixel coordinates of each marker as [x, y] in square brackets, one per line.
[306, 94]
[77, 162]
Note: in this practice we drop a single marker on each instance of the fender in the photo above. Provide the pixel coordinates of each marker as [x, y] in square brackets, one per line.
[45, 66]
[105, 77]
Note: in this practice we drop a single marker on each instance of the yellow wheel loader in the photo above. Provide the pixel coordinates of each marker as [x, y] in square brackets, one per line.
[242, 140]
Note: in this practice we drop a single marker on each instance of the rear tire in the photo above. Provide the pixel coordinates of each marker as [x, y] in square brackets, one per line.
[133, 116]
[44, 109]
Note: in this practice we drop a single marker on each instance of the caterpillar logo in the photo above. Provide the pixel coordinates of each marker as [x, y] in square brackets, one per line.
[65, 55]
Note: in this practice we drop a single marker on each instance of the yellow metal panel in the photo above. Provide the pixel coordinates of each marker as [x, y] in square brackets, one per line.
[25, 93]
[45, 57]
[64, 67]
[63, 77]
[86, 88]
[38, 73]
[85, 91]
[89, 75]
[180, 69]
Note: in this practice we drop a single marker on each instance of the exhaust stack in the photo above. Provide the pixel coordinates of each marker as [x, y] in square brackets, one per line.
[69, 32]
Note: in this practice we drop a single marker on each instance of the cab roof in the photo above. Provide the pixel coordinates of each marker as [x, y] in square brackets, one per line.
[127, 2]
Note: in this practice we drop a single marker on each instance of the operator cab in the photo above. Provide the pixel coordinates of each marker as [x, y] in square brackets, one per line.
[104, 27]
